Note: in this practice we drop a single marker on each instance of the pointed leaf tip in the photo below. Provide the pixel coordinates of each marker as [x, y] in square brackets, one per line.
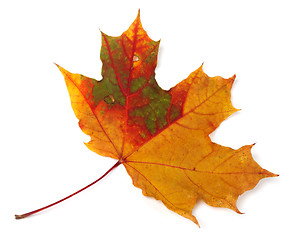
[162, 134]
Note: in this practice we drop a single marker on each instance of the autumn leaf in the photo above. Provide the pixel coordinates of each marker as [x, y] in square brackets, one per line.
[162, 137]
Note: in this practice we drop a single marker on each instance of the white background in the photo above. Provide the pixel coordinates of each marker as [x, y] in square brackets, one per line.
[43, 157]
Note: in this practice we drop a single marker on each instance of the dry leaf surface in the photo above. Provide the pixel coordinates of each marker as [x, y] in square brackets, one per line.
[161, 137]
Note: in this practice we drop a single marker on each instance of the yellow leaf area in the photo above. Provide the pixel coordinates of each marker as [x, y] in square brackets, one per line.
[168, 154]
[182, 164]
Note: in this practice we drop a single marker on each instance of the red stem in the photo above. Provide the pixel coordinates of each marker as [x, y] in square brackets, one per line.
[59, 201]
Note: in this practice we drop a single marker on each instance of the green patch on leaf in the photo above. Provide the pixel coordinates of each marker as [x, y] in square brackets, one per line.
[151, 125]
[137, 84]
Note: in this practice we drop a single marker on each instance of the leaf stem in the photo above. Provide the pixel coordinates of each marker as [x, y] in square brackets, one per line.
[71, 195]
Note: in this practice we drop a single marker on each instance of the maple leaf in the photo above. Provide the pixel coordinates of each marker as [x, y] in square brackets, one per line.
[162, 137]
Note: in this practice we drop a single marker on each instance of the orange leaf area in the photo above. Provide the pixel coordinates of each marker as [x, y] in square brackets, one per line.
[162, 137]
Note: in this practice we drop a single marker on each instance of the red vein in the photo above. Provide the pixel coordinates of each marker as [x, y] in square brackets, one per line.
[95, 116]
[191, 169]
[132, 55]
[203, 158]
[147, 83]
[184, 126]
[230, 185]
[127, 38]
[150, 52]
[207, 98]
[192, 110]
[200, 187]
[124, 49]
[151, 184]
[128, 84]
[215, 113]
[138, 91]
[186, 97]
[113, 66]
[220, 164]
